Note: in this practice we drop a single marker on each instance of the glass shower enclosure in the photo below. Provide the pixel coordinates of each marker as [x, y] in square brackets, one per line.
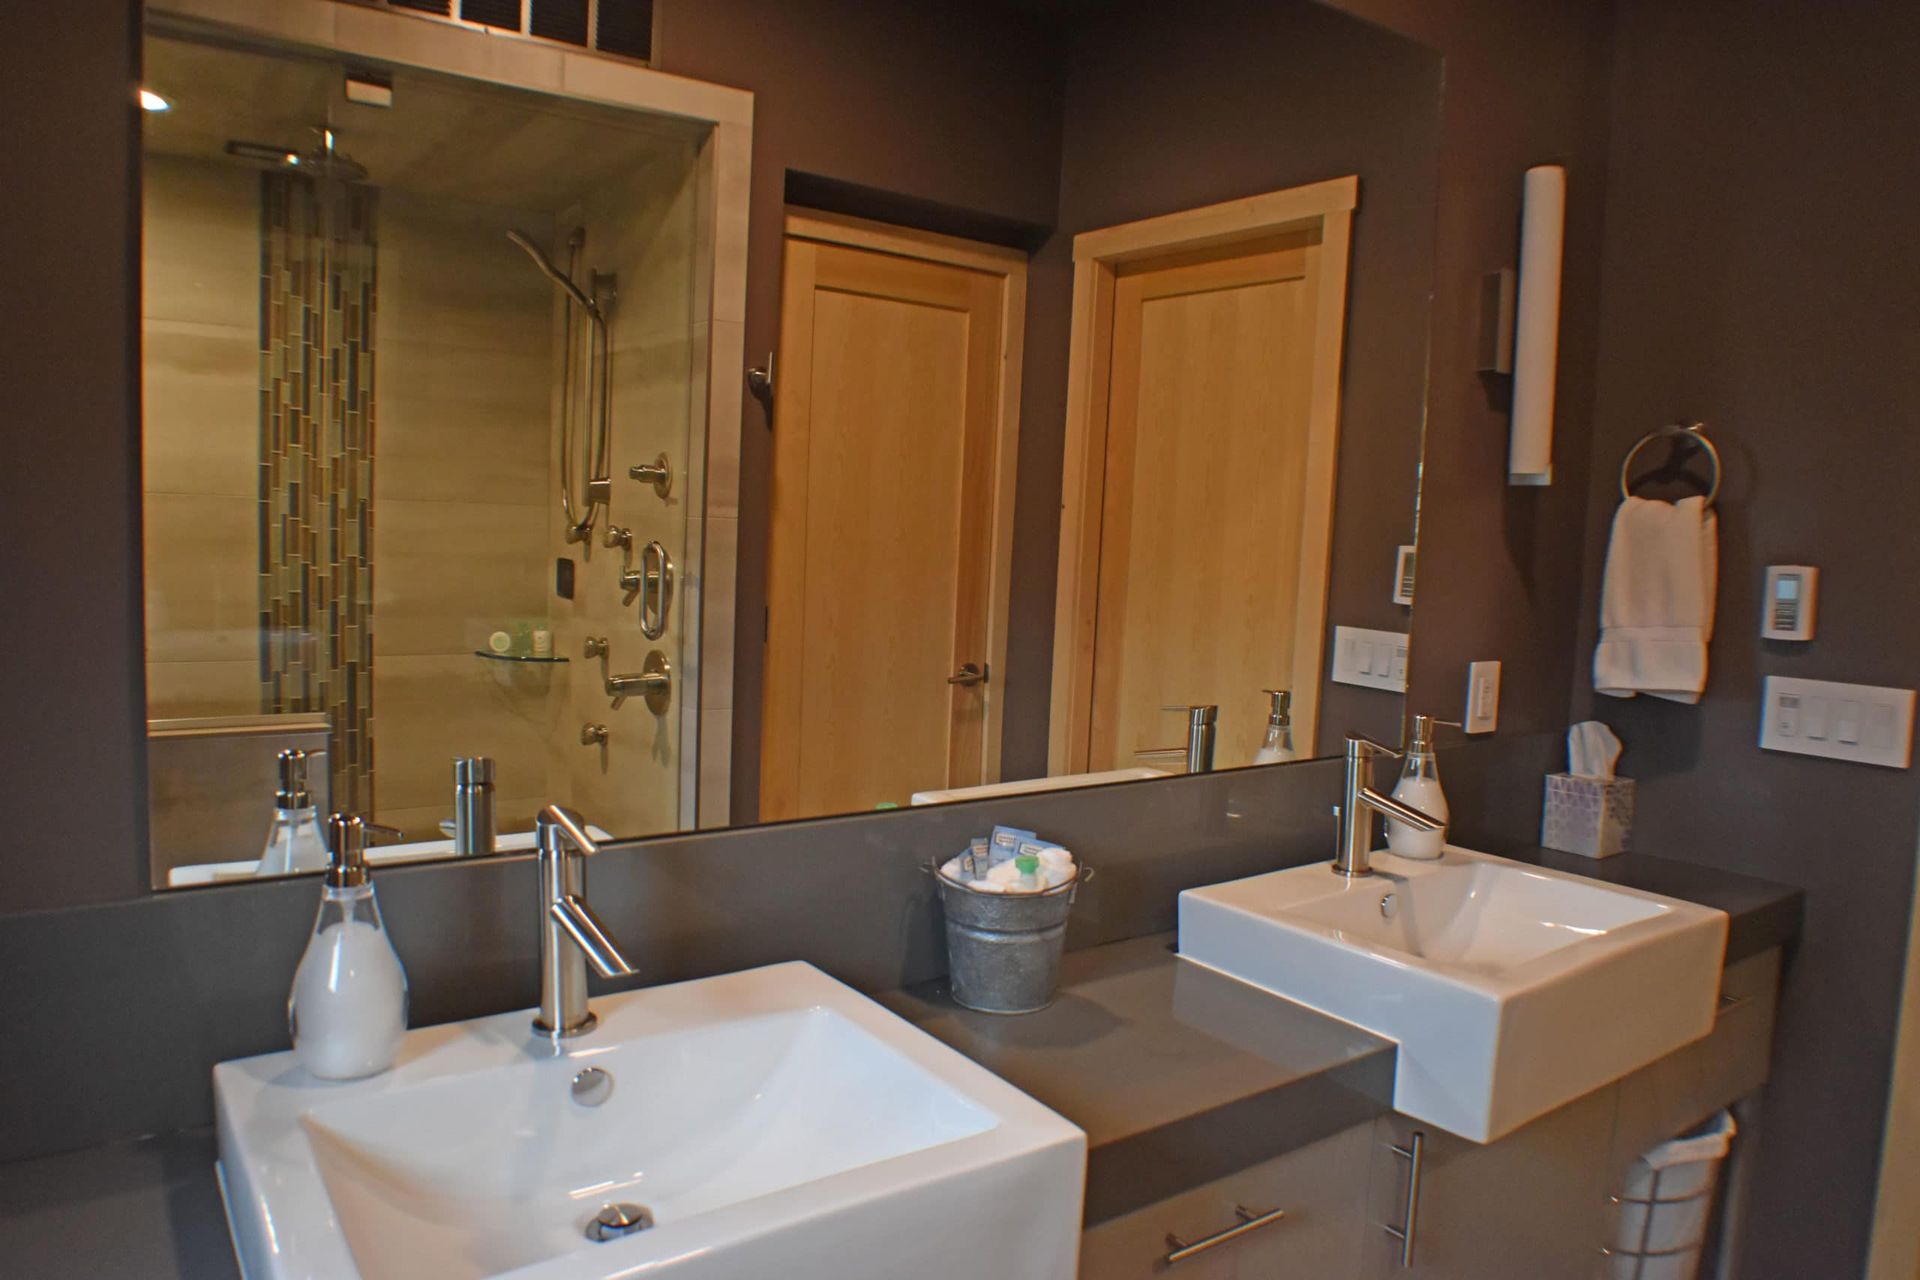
[421, 467]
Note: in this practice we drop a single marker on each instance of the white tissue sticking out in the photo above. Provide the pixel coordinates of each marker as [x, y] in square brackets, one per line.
[1056, 868]
[1592, 750]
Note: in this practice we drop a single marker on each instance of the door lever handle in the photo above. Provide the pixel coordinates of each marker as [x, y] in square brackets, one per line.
[970, 673]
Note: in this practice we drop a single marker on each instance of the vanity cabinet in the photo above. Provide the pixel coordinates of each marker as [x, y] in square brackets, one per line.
[1532, 1206]
[1535, 1205]
[1321, 1188]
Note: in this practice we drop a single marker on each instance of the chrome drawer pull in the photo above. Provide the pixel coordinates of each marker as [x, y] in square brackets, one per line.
[1412, 1152]
[1249, 1222]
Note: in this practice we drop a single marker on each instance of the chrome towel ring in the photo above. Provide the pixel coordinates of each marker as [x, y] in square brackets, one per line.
[1693, 432]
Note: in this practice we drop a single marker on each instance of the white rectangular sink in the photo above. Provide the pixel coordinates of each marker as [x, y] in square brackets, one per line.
[772, 1123]
[1509, 988]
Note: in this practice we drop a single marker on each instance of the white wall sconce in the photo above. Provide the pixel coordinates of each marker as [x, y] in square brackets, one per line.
[1543, 225]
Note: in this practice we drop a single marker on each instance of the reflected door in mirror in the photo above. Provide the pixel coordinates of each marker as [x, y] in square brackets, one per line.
[886, 502]
[1203, 551]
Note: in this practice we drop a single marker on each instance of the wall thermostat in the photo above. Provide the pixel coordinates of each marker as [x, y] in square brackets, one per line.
[1791, 589]
[1403, 575]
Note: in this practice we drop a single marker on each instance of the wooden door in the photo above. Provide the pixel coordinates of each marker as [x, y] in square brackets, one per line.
[1207, 498]
[889, 464]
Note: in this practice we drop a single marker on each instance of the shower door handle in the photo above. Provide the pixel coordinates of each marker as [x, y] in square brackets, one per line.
[656, 590]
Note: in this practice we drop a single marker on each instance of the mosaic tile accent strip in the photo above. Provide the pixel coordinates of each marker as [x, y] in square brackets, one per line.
[318, 255]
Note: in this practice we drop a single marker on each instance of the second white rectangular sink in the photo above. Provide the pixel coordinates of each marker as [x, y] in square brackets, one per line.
[1510, 989]
[770, 1122]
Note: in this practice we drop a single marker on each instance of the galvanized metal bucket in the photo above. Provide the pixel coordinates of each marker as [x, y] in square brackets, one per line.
[1003, 949]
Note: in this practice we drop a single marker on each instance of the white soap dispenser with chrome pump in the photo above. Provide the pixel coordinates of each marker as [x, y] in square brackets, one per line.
[1419, 787]
[348, 1009]
[1278, 746]
[294, 842]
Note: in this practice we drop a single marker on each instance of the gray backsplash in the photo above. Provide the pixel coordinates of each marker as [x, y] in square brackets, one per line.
[115, 1014]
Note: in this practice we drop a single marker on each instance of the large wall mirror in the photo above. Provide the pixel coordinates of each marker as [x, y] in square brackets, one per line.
[437, 459]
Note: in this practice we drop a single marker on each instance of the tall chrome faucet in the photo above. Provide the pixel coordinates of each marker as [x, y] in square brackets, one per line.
[1360, 802]
[473, 825]
[1201, 719]
[571, 936]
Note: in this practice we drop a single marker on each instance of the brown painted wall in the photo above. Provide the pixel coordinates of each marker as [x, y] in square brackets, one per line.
[1758, 274]
[72, 691]
[1525, 85]
[1168, 108]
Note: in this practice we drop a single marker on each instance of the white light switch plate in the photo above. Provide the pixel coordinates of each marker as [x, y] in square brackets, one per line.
[1370, 659]
[1861, 723]
[1483, 698]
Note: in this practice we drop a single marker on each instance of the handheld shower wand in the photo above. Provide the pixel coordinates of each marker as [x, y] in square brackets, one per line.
[599, 480]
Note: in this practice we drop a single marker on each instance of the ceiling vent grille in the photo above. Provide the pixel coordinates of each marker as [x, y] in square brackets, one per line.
[622, 28]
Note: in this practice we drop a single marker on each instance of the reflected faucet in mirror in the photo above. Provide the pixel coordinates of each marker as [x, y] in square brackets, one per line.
[1202, 721]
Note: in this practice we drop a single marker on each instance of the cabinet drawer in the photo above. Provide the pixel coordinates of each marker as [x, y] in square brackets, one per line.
[1321, 1188]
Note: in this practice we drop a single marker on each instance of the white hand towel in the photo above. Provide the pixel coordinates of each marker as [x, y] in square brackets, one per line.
[1656, 602]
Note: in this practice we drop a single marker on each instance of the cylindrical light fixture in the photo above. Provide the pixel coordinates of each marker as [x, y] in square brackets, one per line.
[1543, 227]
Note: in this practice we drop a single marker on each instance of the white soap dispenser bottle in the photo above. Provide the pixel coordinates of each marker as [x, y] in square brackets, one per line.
[1419, 786]
[294, 843]
[1278, 746]
[348, 1010]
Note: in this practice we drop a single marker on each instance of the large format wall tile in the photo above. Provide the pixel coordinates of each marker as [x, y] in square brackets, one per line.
[181, 689]
[201, 249]
[447, 574]
[429, 710]
[200, 396]
[203, 580]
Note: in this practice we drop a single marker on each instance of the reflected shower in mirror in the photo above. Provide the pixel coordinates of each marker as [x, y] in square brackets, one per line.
[1022, 503]
[377, 436]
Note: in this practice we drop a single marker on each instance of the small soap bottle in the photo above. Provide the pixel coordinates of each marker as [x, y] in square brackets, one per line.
[1420, 787]
[1278, 746]
[293, 843]
[348, 1010]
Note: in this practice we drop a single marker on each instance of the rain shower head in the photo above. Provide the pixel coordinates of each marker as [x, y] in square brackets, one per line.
[323, 162]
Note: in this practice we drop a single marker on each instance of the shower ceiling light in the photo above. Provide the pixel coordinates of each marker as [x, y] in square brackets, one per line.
[151, 101]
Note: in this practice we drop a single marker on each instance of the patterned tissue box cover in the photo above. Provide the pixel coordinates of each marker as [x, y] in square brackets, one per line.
[1589, 816]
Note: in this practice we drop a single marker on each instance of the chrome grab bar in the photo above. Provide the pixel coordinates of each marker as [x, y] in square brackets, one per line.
[1249, 1222]
[656, 589]
[1412, 1153]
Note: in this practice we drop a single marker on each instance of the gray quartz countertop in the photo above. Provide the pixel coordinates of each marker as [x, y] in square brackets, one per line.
[1177, 1074]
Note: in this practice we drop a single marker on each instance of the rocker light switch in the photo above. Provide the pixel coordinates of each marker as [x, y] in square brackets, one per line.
[1859, 723]
[1370, 659]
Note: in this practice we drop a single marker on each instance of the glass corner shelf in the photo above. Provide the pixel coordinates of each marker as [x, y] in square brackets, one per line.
[518, 657]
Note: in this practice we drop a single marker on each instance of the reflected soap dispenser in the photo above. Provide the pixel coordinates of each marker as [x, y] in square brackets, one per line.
[1278, 746]
[1419, 786]
[293, 837]
[348, 1009]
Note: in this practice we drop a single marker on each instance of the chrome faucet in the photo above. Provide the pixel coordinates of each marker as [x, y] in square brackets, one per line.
[1201, 719]
[1354, 856]
[473, 825]
[571, 936]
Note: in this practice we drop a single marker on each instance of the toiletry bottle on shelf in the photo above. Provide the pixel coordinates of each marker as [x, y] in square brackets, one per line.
[1278, 746]
[1420, 787]
[348, 1009]
[293, 837]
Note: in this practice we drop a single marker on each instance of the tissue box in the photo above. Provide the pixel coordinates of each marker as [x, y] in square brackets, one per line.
[1590, 816]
